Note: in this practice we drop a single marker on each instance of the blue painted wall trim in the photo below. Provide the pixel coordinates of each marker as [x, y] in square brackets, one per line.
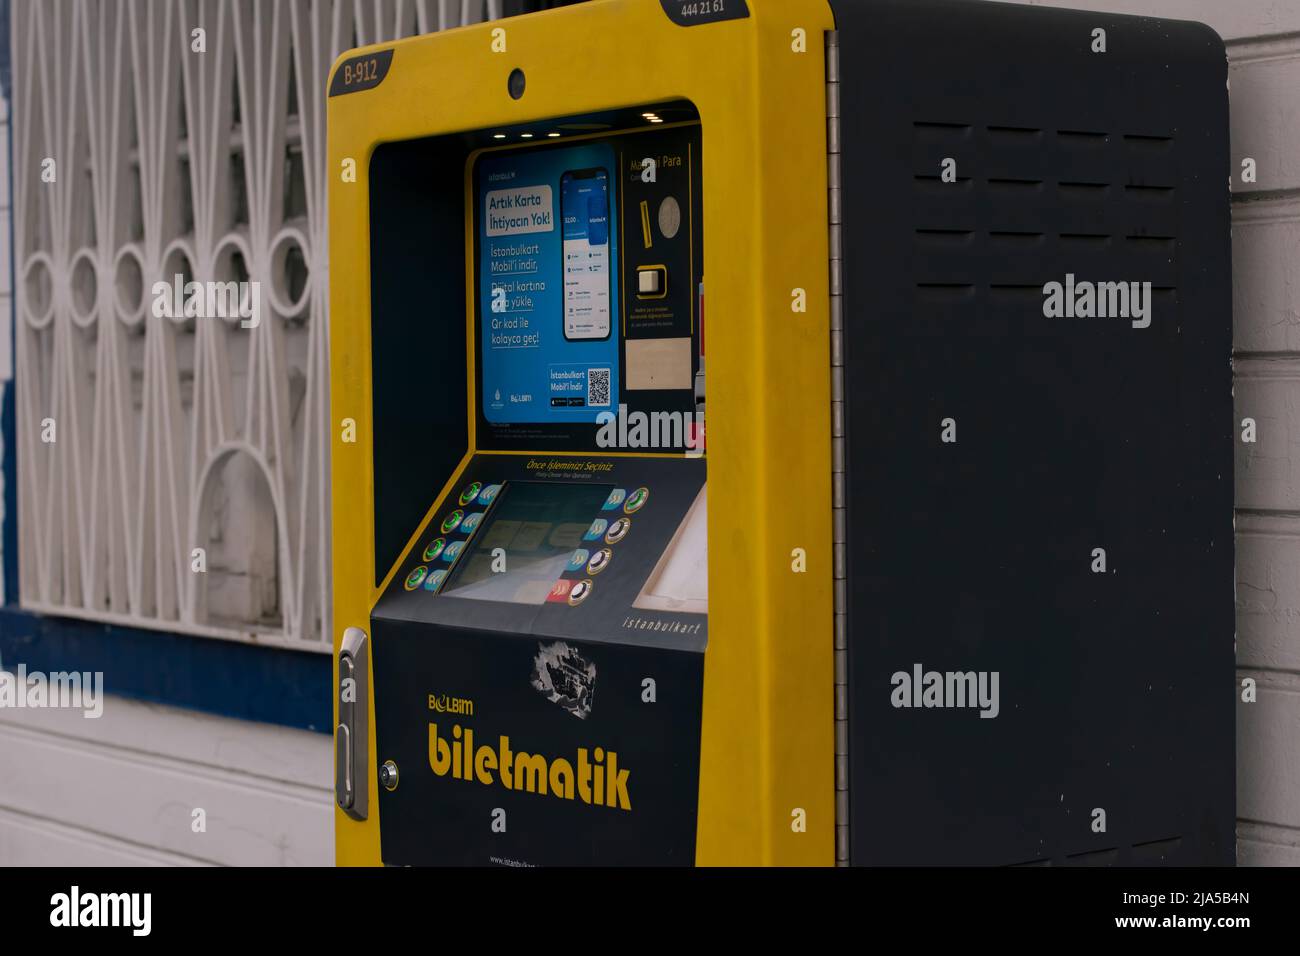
[248, 681]
[9, 526]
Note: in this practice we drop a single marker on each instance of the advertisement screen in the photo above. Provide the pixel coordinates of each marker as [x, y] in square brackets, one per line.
[548, 284]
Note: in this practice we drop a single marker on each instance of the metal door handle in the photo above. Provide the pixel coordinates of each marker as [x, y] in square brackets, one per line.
[351, 761]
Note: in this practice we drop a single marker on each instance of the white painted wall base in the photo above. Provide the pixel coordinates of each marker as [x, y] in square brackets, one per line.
[121, 790]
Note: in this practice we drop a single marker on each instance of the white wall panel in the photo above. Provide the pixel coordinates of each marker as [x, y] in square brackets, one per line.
[1263, 78]
[1267, 846]
[1268, 592]
[1268, 752]
[1267, 390]
[30, 841]
[1266, 282]
[123, 789]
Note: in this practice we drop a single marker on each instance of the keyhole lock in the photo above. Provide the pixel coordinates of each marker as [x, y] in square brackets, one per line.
[388, 775]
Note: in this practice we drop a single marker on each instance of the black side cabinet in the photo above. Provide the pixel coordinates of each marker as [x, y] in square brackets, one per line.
[1034, 489]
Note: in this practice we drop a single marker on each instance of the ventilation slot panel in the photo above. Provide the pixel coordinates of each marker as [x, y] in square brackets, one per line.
[1029, 205]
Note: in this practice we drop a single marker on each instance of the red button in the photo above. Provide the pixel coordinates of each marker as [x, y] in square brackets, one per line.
[560, 592]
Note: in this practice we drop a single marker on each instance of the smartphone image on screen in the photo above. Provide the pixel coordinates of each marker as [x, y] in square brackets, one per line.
[584, 215]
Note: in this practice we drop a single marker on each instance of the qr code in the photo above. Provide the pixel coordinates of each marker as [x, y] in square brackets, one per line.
[598, 387]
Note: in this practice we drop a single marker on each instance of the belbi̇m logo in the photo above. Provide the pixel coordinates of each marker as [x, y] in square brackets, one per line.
[446, 704]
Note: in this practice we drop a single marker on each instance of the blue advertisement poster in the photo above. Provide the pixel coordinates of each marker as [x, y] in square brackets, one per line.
[548, 284]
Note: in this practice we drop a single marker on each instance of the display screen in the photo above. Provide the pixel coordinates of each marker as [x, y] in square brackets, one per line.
[548, 284]
[584, 216]
[541, 528]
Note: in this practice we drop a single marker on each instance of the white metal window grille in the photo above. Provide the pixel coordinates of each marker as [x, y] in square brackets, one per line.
[143, 437]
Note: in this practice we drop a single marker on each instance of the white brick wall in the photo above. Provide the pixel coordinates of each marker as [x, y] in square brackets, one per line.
[1263, 38]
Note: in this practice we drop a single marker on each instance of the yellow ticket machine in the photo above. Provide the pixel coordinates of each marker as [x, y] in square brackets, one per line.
[527, 220]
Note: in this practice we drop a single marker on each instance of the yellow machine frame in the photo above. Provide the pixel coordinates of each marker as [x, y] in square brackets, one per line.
[767, 741]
